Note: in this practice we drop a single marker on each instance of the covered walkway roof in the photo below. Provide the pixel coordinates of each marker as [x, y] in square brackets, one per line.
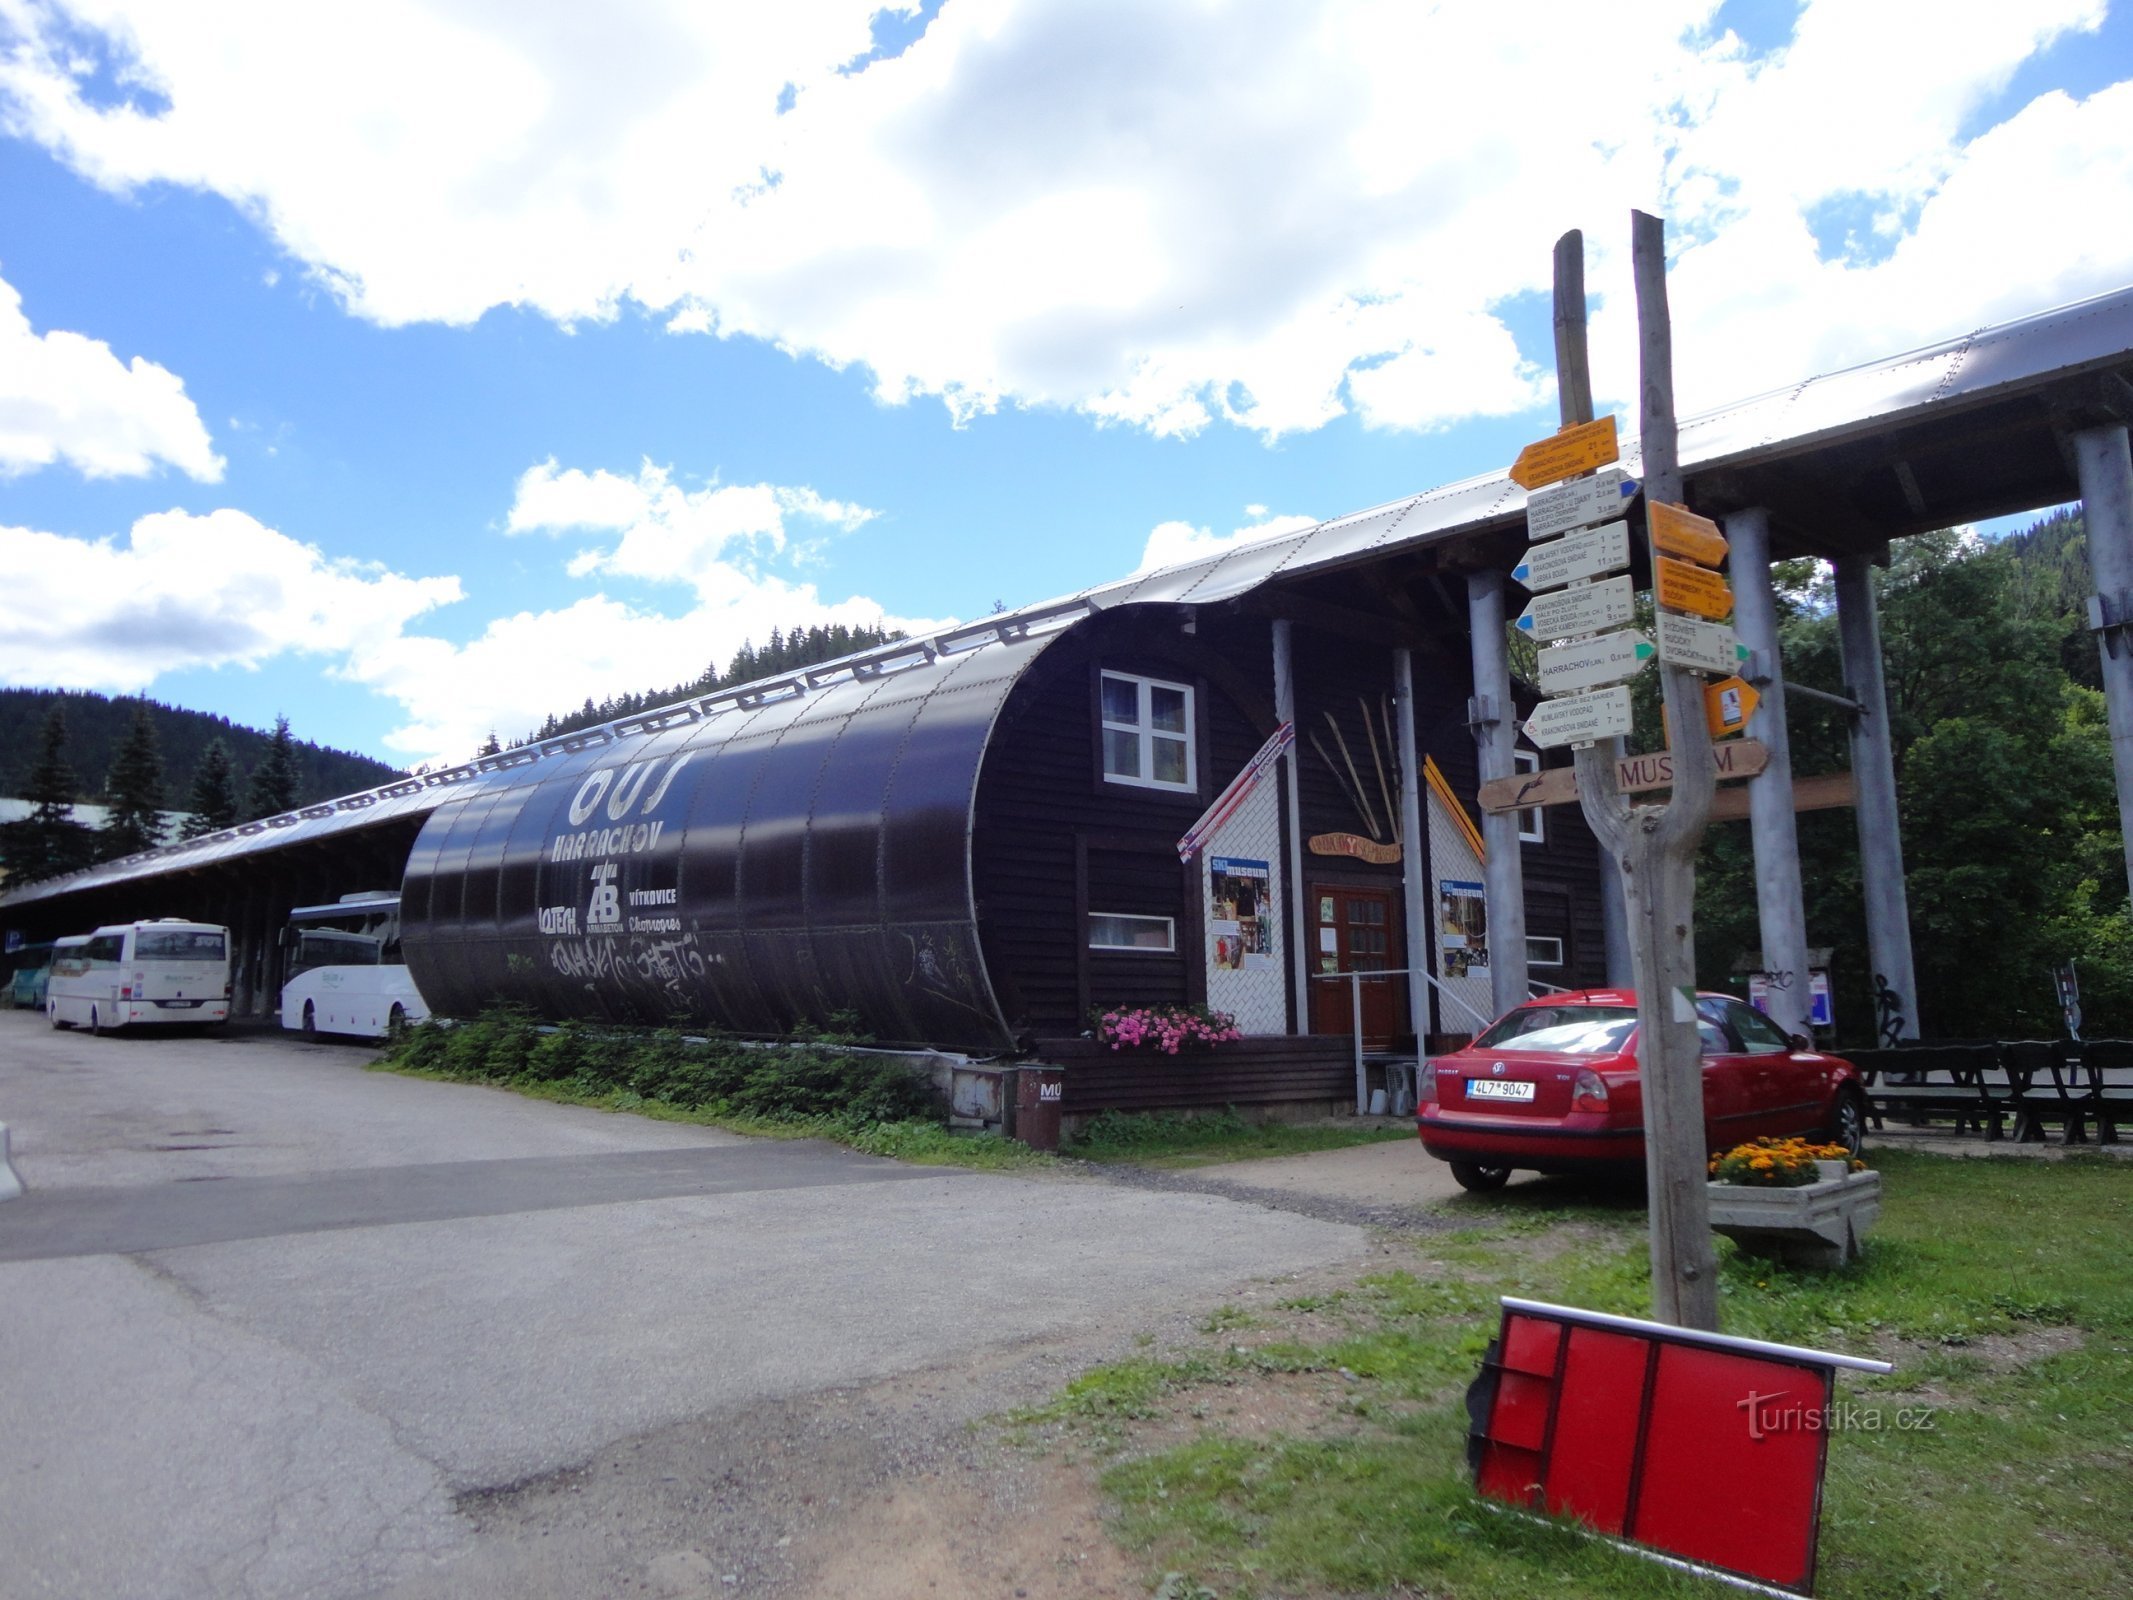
[1956, 432]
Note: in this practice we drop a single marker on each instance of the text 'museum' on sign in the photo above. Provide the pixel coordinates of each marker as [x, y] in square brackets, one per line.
[1591, 553]
[1586, 610]
[1580, 718]
[1692, 588]
[1680, 532]
[1588, 663]
[1558, 786]
[1574, 450]
[1578, 503]
[1703, 646]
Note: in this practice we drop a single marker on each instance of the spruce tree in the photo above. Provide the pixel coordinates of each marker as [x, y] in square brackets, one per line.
[48, 841]
[213, 802]
[273, 788]
[134, 793]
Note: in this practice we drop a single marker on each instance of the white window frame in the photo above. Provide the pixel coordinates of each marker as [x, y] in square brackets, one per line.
[1531, 828]
[1145, 730]
[1170, 934]
[1535, 959]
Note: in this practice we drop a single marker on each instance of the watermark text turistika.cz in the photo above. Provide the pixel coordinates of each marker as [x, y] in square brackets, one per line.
[1781, 1413]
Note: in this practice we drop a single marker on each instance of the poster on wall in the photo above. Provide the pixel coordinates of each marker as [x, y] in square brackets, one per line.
[1240, 931]
[1462, 927]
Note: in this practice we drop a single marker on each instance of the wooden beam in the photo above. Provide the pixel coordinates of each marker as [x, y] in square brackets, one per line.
[1830, 791]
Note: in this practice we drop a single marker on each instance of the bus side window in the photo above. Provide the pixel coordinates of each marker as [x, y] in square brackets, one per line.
[107, 949]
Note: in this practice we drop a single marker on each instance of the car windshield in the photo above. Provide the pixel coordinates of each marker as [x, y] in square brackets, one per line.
[1563, 1030]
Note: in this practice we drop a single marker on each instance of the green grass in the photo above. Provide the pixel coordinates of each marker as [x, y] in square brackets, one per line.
[1171, 1139]
[2000, 1289]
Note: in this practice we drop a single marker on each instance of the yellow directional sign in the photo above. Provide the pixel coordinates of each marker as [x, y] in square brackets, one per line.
[1578, 448]
[1728, 704]
[1680, 532]
[1688, 588]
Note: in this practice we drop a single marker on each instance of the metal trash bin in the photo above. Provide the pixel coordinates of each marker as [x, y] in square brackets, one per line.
[1038, 1092]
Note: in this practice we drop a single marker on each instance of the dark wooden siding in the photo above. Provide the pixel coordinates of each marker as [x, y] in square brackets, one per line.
[1250, 1072]
[1052, 841]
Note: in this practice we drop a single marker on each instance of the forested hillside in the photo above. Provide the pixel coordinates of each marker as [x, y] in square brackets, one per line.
[786, 652]
[97, 724]
[2011, 842]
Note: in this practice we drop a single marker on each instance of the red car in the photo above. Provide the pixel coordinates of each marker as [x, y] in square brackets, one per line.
[1551, 1086]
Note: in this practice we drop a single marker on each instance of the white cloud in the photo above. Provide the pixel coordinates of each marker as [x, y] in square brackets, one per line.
[1253, 211]
[705, 537]
[66, 397]
[182, 591]
[223, 590]
[1172, 542]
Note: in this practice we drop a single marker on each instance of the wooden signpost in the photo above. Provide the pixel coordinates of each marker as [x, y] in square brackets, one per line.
[1558, 786]
[1582, 610]
[1654, 846]
[1687, 587]
[1588, 553]
[1575, 449]
[1578, 503]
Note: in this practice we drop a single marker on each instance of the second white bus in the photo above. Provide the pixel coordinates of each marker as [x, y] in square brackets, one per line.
[342, 973]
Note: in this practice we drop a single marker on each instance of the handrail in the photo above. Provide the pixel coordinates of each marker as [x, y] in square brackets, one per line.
[1355, 977]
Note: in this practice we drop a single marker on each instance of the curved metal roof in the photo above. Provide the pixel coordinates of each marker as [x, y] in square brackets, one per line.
[2028, 360]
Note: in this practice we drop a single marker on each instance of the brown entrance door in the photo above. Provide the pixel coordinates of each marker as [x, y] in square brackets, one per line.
[1357, 930]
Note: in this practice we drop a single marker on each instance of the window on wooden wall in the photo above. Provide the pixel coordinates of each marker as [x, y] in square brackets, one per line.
[1544, 952]
[1531, 829]
[1148, 733]
[1121, 930]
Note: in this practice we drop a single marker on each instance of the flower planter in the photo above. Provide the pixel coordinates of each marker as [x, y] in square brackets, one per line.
[1815, 1225]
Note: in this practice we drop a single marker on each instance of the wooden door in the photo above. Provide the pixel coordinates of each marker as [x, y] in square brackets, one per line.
[1357, 930]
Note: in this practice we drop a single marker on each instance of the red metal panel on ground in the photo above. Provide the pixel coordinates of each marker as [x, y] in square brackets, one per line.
[1708, 1448]
[1594, 1452]
[1715, 1492]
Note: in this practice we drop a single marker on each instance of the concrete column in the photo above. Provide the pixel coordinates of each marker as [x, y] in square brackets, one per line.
[1888, 914]
[1778, 902]
[1301, 956]
[2101, 457]
[1503, 873]
[1614, 924]
[1414, 850]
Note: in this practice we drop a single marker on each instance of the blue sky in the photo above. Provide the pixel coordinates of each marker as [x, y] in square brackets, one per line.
[422, 368]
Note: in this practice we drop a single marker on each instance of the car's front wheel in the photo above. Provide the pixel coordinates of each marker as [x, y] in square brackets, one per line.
[1847, 1124]
[1478, 1177]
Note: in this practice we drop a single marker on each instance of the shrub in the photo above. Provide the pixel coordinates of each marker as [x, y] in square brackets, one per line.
[1169, 1029]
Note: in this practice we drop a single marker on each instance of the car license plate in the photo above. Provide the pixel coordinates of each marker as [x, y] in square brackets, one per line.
[1498, 1089]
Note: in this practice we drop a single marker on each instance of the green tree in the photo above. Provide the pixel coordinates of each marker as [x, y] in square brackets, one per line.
[133, 793]
[49, 840]
[2010, 841]
[212, 804]
[274, 780]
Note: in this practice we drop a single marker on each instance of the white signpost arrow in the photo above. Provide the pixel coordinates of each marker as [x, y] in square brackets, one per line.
[1705, 646]
[1589, 663]
[1593, 553]
[1580, 718]
[1578, 503]
[1585, 610]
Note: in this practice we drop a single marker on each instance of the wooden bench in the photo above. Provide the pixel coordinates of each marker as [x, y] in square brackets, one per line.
[1918, 1083]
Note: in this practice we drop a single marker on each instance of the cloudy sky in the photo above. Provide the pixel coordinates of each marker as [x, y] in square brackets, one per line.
[418, 367]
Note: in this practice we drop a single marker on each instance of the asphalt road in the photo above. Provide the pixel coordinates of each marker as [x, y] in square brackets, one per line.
[273, 1326]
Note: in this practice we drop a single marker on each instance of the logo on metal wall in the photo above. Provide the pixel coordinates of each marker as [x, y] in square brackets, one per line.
[604, 915]
[608, 811]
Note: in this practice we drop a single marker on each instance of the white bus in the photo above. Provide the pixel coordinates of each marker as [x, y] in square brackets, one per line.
[135, 973]
[341, 969]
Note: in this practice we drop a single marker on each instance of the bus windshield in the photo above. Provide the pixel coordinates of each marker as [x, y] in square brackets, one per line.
[178, 944]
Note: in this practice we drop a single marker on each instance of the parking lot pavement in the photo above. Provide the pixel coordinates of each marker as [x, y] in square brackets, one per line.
[406, 1295]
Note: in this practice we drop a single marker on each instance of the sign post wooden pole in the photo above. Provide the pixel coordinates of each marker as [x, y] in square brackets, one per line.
[1655, 846]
